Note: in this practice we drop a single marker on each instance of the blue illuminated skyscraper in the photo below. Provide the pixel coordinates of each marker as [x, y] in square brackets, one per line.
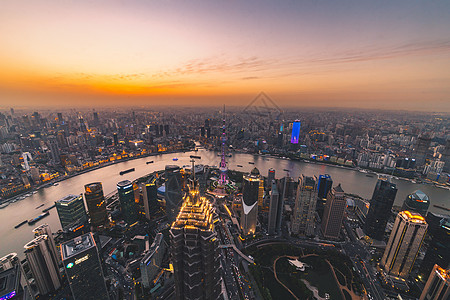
[295, 132]
[128, 203]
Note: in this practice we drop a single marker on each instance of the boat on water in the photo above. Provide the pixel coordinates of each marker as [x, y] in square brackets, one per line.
[55, 184]
[40, 206]
[41, 216]
[48, 208]
[239, 166]
[286, 170]
[174, 159]
[251, 163]
[3, 205]
[34, 192]
[126, 171]
[441, 207]
[20, 224]
[149, 162]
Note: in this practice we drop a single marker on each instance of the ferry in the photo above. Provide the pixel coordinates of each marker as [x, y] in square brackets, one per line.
[149, 162]
[175, 159]
[48, 208]
[286, 170]
[239, 166]
[40, 206]
[43, 215]
[3, 205]
[251, 163]
[126, 171]
[20, 224]
[55, 184]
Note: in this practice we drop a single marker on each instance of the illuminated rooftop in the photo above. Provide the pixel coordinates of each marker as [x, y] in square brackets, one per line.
[77, 245]
[412, 217]
[444, 274]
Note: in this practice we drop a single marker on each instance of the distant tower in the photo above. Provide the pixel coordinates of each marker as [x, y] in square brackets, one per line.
[96, 204]
[421, 149]
[270, 177]
[250, 196]
[43, 264]
[438, 285]
[446, 157]
[150, 195]
[380, 209]
[128, 201]
[333, 213]
[70, 209]
[83, 268]
[305, 206]
[275, 210]
[54, 149]
[404, 244]
[417, 202]
[223, 180]
[195, 249]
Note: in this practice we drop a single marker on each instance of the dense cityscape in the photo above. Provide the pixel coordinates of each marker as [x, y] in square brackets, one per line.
[207, 223]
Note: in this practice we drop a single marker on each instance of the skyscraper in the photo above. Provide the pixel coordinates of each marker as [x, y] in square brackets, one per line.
[270, 177]
[44, 229]
[324, 186]
[150, 195]
[417, 202]
[275, 210]
[43, 264]
[70, 209]
[446, 157]
[128, 203]
[250, 196]
[96, 204]
[84, 269]
[195, 249]
[438, 285]
[151, 262]
[380, 208]
[421, 149]
[173, 193]
[305, 206]
[333, 213]
[54, 149]
[404, 244]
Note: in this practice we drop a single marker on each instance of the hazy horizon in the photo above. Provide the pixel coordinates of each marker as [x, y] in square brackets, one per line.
[347, 54]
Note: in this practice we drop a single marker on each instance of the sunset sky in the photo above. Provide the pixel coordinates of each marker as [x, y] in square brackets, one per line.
[364, 54]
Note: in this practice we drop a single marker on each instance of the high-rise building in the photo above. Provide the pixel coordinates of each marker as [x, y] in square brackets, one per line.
[275, 210]
[380, 208]
[70, 209]
[83, 268]
[333, 213]
[195, 249]
[96, 204]
[54, 149]
[323, 188]
[151, 262]
[421, 149]
[173, 193]
[150, 195]
[305, 206]
[438, 285]
[404, 244]
[270, 177]
[250, 198]
[43, 264]
[417, 202]
[446, 157]
[44, 229]
[128, 201]
[438, 251]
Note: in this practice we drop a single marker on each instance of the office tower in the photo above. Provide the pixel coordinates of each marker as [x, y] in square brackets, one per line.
[173, 193]
[324, 186]
[380, 209]
[54, 149]
[128, 201]
[83, 268]
[275, 210]
[438, 251]
[250, 196]
[421, 149]
[151, 262]
[295, 132]
[44, 229]
[150, 195]
[115, 139]
[438, 285]
[96, 120]
[96, 204]
[82, 124]
[404, 244]
[10, 283]
[70, 209]
[270, 177]
[417, 202]
[43, 264]
[446, 157]
[305, 206]
[333, 213]
[195, 249]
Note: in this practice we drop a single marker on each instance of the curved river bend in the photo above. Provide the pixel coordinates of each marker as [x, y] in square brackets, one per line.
[13, 240]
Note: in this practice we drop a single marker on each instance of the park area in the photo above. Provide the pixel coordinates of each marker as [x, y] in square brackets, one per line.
[328, 275]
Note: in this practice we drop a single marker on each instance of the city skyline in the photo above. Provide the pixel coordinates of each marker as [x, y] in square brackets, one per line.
[310, 54]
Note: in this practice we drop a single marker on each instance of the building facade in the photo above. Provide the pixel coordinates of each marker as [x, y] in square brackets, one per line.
[151, 263]
[96, 204]
[305, 206]
[333, 213]
[275, 210]
[438, 285]
[404, 244]
[417, 202]
[128, 201]
[250, 200]
[150, 195]
[70, 209]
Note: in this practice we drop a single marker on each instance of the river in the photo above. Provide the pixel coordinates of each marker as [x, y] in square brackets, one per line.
[13, 240]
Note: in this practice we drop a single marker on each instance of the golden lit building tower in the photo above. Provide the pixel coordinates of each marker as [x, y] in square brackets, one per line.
[438, 285]
[251, 197]
[96, 204]
[404, 244]
[305, 206]
[195, 249]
